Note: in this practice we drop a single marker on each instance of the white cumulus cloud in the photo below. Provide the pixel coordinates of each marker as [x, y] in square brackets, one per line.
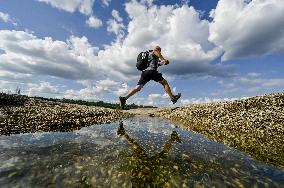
[100, 89]
[88, 93]
[42, 88]
[115, 14]
[83, 6]
[5, 17]
[94, 22]
[156, 99]
[24, 53]
[251, 83]
[115, 25]
[205, 100]
[248, 28]
[106, 2]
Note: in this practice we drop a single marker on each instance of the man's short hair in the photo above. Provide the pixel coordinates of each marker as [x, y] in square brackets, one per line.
[157, 48]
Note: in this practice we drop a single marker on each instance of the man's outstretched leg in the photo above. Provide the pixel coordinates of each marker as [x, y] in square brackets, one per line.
[129, 94]
[174, 98]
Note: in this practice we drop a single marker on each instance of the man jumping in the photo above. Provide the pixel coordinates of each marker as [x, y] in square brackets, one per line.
[150, 73]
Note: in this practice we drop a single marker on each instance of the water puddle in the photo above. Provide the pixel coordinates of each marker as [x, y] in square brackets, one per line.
[138, 152]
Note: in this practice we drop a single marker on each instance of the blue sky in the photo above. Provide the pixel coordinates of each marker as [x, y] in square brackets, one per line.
[86, 49]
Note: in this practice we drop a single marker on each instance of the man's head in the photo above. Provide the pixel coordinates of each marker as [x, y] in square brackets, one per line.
[158, 48]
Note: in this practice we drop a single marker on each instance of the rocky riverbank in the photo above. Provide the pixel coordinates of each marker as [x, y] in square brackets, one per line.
[20, 114]
[254, 125]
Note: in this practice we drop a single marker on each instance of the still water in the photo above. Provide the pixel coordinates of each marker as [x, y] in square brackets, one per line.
[137, 152]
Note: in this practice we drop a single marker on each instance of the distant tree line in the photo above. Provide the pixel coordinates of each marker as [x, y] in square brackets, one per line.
[7, 99]
[94, 103]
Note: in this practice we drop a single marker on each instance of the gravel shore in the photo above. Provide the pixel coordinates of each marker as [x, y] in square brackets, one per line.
[20, 114]
[254, 125]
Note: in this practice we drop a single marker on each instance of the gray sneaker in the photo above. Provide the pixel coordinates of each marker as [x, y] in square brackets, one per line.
[176, 97]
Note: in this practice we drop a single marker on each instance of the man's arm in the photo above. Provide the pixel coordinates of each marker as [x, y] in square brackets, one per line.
[159, 55]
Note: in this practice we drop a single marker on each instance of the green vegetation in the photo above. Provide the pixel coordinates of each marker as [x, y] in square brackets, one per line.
[13, 99]
[95, 103]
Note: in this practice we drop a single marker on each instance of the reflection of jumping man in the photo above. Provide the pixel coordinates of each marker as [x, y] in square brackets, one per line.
[145, 172]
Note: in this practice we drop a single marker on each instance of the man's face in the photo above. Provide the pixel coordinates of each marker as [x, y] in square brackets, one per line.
[158, 49]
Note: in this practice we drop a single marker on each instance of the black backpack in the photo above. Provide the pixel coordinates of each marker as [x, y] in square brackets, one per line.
[143, 60]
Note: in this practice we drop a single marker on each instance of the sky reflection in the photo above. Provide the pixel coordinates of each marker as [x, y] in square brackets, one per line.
[137, 151]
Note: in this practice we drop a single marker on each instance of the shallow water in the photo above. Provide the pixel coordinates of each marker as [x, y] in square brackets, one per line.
[138, 152]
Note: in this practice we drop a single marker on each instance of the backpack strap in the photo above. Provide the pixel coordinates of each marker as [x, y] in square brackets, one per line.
[148, 53]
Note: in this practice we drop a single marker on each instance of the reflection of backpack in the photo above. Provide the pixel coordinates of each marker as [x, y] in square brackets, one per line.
[143, 60]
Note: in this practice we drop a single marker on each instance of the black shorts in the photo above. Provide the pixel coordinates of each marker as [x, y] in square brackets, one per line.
[148, 75]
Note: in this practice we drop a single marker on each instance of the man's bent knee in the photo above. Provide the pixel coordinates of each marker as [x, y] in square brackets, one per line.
[163, 82]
